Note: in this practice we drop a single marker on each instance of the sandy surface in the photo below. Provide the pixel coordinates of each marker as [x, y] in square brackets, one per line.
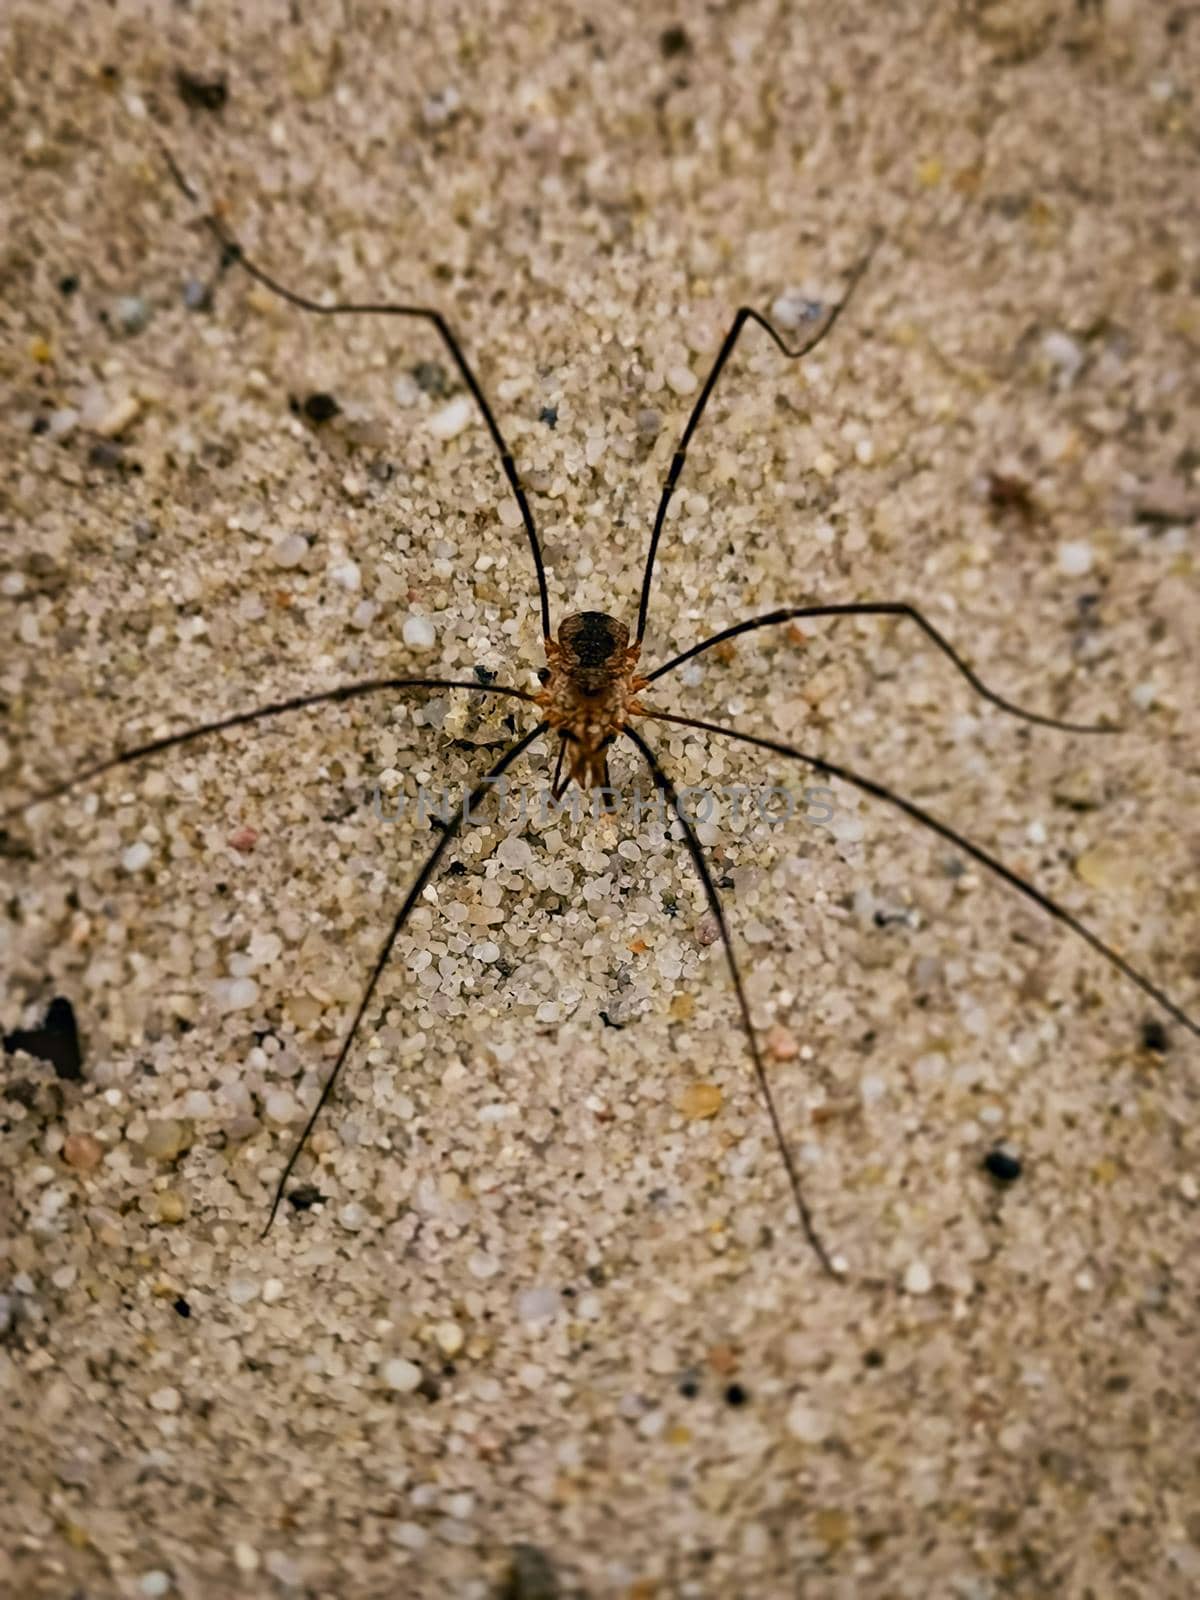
[542, 1303]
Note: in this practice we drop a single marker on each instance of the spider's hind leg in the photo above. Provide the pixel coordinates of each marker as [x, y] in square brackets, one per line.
[559, 784]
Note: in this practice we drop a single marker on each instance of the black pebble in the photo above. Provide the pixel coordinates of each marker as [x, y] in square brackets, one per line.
[735, 1395]
[485, 675]
[549, 415]
[305, 1197]
[530, 1576]
[689, 1388]
[1154, 1036]
[40, 425]
[1001, 1166]
[68, 283]
[56, 1041]
[321, 407]
[674, 42]
[182, 1307]
[203, 94]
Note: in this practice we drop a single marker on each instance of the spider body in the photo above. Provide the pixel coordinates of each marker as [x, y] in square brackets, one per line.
[589, 693]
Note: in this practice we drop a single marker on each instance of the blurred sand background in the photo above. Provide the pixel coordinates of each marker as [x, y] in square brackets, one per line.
[549, 1331]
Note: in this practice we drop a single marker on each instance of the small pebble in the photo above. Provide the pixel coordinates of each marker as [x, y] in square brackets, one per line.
[154, 1584]
[352, 1216]
[917, 1278]
[700, 1101]
[450, 1338]
[782, 1043]
[118, 417]
[1106, 868]
[1074, 558]
[170, 1206]
[419, 633]
[164, 1139]
[707, 930]
[82, 1152]
[515, 853]
[682, 380]
[280, 1106]
[538, 1305]
[808, 1425]
[63, 421]
[272, 1291]
[290, 550]
[245, 1557]
[347, 575]
[243, 1290]
[235, 994]
[243, 839]
[1064, 353]
[451, 420]
[403, 1376]
[131, 314]
[137, 856]
[165, 1400]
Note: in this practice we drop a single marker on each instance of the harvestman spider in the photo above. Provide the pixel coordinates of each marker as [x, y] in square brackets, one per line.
[591, 692]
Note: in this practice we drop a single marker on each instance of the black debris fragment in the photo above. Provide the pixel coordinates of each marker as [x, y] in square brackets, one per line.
[56, 1041]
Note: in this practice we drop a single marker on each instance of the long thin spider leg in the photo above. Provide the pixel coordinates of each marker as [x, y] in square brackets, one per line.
[232, 252]
[171, 741]
[897, 608]
[877, 790]
[555, 792]
[663, 782]
[451, 831]
[744, 314]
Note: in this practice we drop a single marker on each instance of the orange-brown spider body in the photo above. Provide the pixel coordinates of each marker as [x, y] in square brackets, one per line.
[589, 692]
